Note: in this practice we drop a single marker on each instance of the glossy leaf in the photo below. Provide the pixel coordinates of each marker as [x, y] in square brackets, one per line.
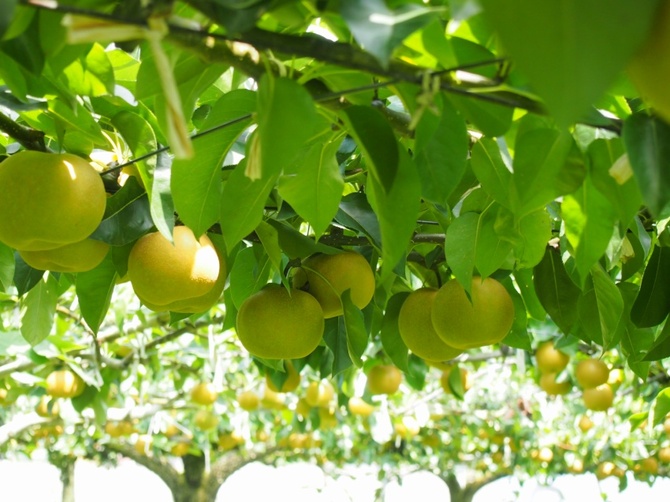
[635, 342]
[661, 347]
[91, 75]
[652, 304]
[40, 304]
[354, 327]
[94, 292]
[610, 306]
[661, 406]
[6, 266]
[242, 204]
[313, 184]
[140, 137]
[441, 149]
[374, 135]
[647, 141]
[197, 183]
[490, 118]
[161, 204]
[547, 164]
[336, 340]
[528, 236]
[377, 28]
[25, 277]
[489, 166]
[397, 211]
[557, 293]
[625, 198]
[287, 119]
[269, 238]
[355, 212]
[589, 224]
[6, 14]
[472, 242]
[392, 342]
[248, 275]
[577, 49]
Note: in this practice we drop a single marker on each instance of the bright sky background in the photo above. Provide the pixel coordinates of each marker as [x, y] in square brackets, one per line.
[38, 482]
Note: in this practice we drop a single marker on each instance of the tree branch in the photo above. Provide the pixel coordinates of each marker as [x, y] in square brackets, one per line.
[159, 466]
[230, 463]
[30, 139]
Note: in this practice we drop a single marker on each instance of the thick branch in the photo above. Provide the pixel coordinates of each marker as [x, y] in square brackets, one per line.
[19, 424]
[159, 466]
[229, 464]
[27, 137]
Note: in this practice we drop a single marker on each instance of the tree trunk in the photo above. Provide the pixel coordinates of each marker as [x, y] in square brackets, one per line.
[67, 478]
[467, 493]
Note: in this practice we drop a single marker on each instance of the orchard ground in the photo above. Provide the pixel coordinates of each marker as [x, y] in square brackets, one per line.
[301, 482]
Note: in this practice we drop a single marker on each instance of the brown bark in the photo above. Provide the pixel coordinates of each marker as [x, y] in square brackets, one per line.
[466, 493]
[194, 484]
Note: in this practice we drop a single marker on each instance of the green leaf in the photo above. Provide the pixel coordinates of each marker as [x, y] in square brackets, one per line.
[472, 242]
[269, 238]
[610, 306]
[547, 164]
[441, 150]
[6, 15]
[91, 75]
[392, 342]
[297, 245]
[313, 185]
[528, 237]
[40, 304]
[378, 29]
[635, 342]
[397, 211]
[6, 266]
[661, 406]
[354, 326]
[243, 203]
[661, 347]
[287, 119]
[374, 136]
[647, 140]
[589, 224]
[557, 293]
[126, 225]
[577, 48]
[197, 183]
[356, 213]
[248, 275]
[161, 205]
[336, 341]
[141, 139]
[13, 76]
[652, 304]
[518, 336]
[625, 197]
[25, 277]
[78, 118]
[494, 175]
[524, 279]
[490, 118]
[637, 419]
[94, 292]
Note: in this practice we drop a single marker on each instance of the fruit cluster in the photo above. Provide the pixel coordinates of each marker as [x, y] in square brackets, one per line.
[438, 325]
[186, 275]
[51, 204]
[592, 375]
[277, 323]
